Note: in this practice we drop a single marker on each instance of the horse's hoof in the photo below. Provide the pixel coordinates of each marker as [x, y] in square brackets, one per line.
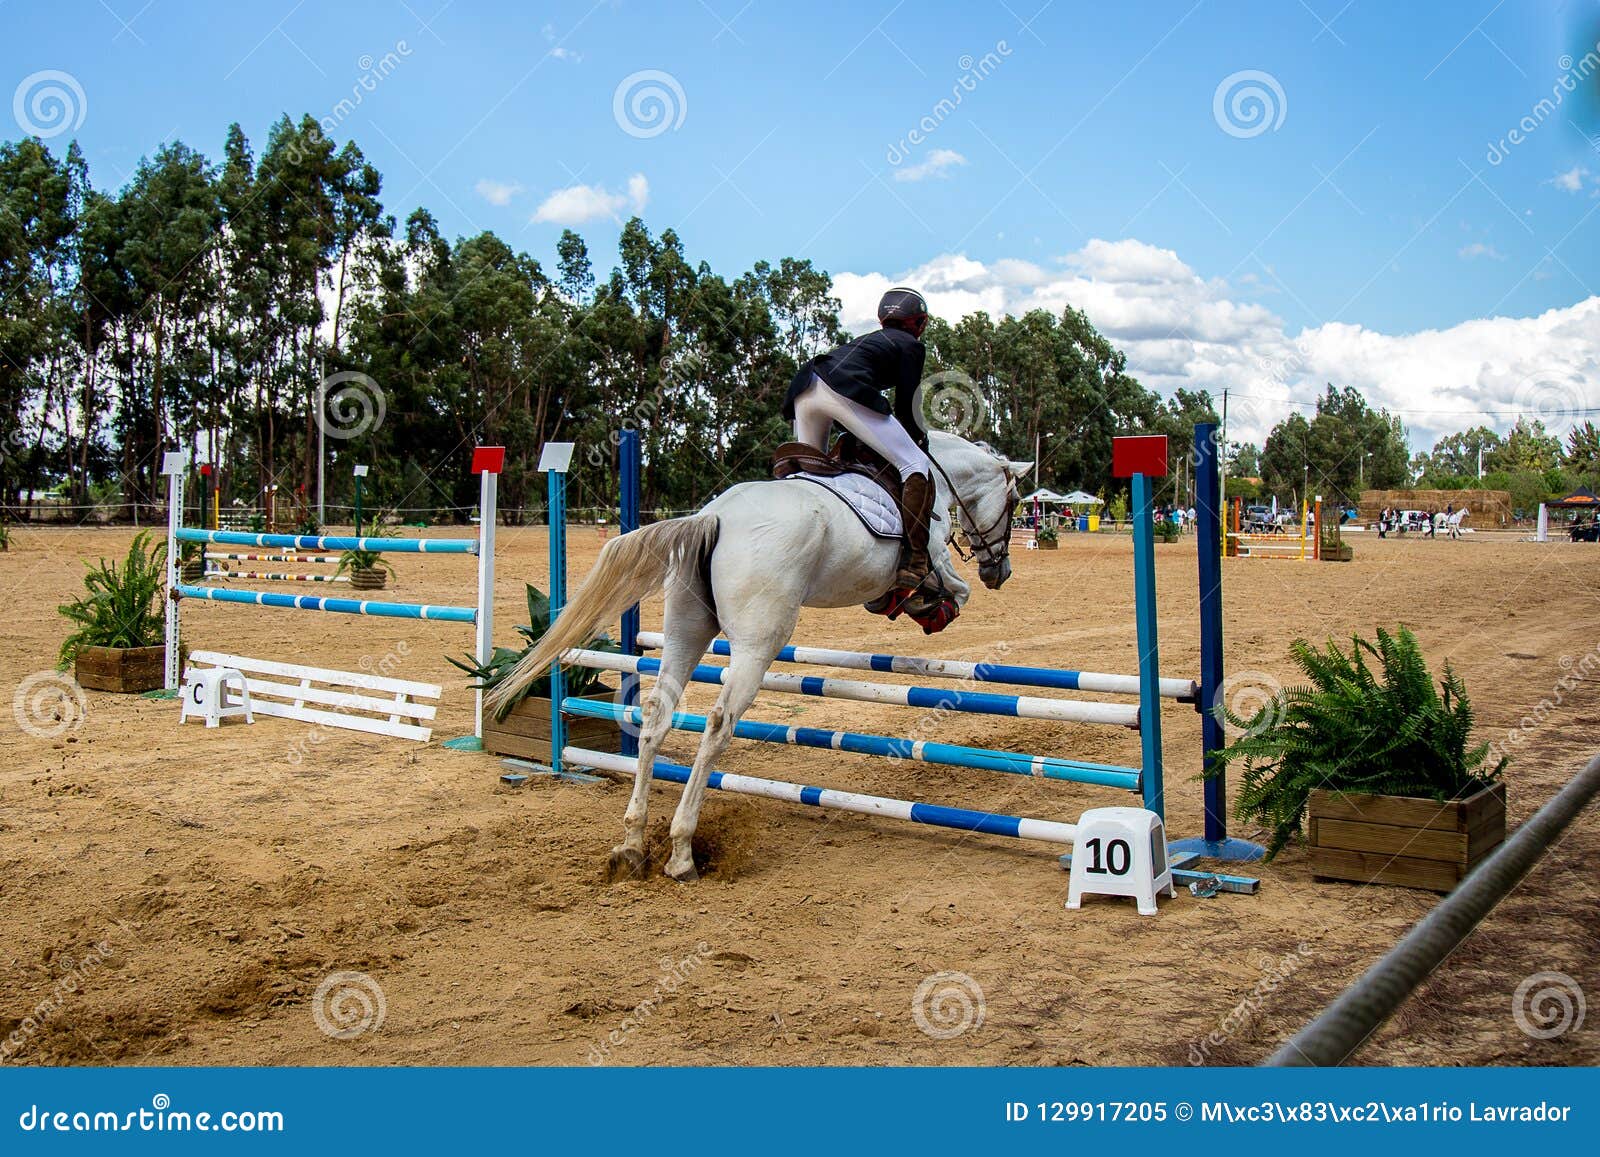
[626, 864]
[686, 875]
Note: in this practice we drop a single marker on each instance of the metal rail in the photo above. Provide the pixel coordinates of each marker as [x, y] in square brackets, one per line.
[1362, 1008]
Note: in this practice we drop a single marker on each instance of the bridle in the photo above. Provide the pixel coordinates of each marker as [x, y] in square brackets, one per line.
[988, 546]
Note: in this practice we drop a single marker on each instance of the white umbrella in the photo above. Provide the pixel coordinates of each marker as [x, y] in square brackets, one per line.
[1079, 498]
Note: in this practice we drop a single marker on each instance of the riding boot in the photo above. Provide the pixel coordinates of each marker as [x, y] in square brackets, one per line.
[916, 510]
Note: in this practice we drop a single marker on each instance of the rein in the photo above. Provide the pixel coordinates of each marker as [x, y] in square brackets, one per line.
[994, 550]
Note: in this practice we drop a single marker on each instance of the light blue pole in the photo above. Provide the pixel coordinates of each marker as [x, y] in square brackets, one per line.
[558, 599]
[318, 542]
[1144, 600]
[374, 608]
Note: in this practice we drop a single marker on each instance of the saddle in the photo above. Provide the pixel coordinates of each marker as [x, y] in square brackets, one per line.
[848, 456]
[931, 608]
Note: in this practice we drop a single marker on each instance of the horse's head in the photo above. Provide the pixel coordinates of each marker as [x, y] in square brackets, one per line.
[985, 496]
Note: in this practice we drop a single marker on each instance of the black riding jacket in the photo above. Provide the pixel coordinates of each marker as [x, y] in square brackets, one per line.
[863, 369]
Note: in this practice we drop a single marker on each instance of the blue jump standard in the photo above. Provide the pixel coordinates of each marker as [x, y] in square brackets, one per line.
[316, 542]
[378, 609]
[949, 754]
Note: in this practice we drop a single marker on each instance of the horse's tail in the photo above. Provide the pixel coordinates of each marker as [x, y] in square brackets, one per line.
[630, 566]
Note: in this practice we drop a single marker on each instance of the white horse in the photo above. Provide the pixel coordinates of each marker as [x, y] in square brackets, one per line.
[1449, 523]
[745, 565]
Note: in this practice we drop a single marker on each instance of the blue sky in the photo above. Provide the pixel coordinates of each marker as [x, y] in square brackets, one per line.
[1096, 160]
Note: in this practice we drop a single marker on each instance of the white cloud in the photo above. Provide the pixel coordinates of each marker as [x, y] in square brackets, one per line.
[497, 192]
[566, 54]
[1479, 249]
[1570, 181]
[579, 203]
[1180, 329]
[938, 163]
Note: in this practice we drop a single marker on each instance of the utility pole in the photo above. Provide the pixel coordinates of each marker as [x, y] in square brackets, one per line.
[322, 438]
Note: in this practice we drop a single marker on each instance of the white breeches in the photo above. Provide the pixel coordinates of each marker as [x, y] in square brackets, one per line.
[818, 407]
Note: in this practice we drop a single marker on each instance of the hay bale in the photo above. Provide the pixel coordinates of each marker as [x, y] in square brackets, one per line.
[1488, 507]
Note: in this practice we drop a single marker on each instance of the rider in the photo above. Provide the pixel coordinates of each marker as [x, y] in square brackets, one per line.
[847, 386]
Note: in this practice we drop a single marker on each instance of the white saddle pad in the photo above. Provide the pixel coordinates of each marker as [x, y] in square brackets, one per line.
[877, 511]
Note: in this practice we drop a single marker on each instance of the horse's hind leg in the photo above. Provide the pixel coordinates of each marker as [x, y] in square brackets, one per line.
[753, 653]
[689, 625]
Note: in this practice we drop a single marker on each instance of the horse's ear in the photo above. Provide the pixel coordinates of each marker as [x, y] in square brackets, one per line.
[1017, 469]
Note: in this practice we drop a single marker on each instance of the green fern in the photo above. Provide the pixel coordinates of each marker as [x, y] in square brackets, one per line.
[579, 680]
[1353, 728]
[123, 607]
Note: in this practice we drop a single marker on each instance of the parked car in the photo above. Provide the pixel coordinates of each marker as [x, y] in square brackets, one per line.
[1258, 520]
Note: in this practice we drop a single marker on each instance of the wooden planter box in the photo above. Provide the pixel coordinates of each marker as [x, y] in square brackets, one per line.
[525, 731]
[1341, 553]
[1049, 544]
[1413, 843]
[121, 668]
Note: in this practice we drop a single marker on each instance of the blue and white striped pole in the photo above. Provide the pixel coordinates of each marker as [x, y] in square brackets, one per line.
[1060, 679]
[856, 743]
[960, 819]
[320, 542]
[373, 608]
[930, 698]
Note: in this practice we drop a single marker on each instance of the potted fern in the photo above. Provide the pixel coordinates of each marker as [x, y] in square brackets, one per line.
[118, 643]
[523, 728]
[369, 570]
[5, 535]
[1049, 537]
[1379, 760]
[1333, 547]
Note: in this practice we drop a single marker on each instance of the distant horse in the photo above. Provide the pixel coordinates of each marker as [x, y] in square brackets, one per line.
[745, 565]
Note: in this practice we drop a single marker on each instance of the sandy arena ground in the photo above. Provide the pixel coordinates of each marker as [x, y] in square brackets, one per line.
[227, 874]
